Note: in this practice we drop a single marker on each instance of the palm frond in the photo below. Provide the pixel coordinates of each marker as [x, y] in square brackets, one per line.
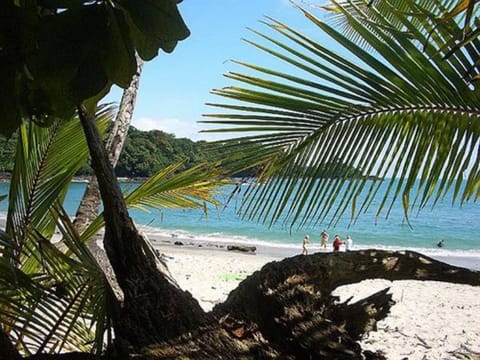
[50, 301]
[169, 189]
[429, 17]
[404, 113]
[65, 304]
[46, 160]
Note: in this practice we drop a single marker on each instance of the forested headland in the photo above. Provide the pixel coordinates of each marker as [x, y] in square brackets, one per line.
[147, 152]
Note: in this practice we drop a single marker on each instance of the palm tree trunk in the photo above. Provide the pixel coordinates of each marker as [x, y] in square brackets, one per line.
[154, 309]
[7, 350]
[90, 204]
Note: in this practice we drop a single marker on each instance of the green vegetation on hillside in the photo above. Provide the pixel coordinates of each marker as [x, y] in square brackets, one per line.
[147, 152]
[7, 153]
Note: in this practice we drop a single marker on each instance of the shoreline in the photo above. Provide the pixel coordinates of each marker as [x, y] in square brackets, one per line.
[429, 320]
[469, 259]
[279, 251]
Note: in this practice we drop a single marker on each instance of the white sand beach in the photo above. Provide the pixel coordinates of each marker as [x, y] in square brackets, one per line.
[430, 320]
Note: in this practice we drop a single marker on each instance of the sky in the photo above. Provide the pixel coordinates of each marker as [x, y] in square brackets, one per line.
[175, 87]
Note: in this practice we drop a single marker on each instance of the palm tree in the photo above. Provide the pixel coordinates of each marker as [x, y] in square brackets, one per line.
[115, 32]
[51, 300]
[390, 104]
[56, 299]
[409, 114]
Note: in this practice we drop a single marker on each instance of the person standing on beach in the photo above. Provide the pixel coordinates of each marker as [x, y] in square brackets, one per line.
[348, 243]
[305, 242]
[324, 239]
[336, 243]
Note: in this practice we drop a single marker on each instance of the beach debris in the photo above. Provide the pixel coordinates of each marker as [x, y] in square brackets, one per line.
[179, 243]
[465, 353]
[370, 355]
[242, 248]
[422, 342]
[232, 277]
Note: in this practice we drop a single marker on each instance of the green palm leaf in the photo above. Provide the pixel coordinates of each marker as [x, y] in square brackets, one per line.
[64, 305]
[50, 301]
[403, 113]
[169, 189]
[448, 23]
[46, 160]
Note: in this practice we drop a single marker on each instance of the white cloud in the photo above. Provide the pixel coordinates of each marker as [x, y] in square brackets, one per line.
[180, 128]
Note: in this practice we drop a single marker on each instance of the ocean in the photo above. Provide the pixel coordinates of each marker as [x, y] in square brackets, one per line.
[459, 227]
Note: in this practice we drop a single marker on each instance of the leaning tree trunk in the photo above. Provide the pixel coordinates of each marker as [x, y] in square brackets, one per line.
[154, 308]
[7, 350]
[290, 301]
[90, 204]
[286, 310]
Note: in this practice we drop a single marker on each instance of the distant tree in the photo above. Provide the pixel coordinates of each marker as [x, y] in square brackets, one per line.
[7, 153]
[140, 158]
[148, 151]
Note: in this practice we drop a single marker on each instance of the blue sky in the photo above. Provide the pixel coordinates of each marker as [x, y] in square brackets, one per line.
[174, 87]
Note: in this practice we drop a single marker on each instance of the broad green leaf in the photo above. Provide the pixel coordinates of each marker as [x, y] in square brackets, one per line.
[158, 19]
[118, 55]
[56, 54]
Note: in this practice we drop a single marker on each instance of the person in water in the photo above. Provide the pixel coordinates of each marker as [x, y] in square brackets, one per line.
[440, 243]
[305, 242]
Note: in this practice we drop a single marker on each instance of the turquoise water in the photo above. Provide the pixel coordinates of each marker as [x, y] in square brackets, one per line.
[458, 227]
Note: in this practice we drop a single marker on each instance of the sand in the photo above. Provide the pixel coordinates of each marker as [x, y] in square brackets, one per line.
[210, 274]
[430, 320]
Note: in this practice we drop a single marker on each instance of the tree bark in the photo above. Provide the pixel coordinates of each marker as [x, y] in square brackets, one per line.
[7, 351]
[124, 116]
[290, 301]
[284, 311]
[154, 308]
[361, 317]
[90, 204]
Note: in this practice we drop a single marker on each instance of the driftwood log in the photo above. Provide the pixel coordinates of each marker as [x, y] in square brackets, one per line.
[242, 248]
